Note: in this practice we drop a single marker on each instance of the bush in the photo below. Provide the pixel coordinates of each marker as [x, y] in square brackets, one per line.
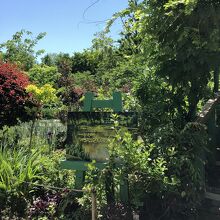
[183, 152]
[13, 97]
[42, 75]
[166, 175]
[18, 167]
[24, 177]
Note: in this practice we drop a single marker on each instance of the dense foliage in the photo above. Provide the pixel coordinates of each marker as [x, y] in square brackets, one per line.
[25, 177]
[42, 75]
[20, 49]
[164, 175]
[165, 63]
[13, 96]
[177, 43]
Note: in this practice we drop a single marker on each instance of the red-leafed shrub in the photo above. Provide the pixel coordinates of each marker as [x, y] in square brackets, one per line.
[13, 97]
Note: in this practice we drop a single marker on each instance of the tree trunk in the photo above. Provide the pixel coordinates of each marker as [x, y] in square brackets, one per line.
[193, 99]
[109, 187]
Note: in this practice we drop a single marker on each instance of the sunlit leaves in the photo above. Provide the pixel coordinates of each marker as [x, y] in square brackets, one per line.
[42, 75]
[189, 5]
[20, 49]
[45, 94]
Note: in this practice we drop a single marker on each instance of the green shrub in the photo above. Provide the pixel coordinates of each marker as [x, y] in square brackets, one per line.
[25, 175]
[19, 167]
[165, 176]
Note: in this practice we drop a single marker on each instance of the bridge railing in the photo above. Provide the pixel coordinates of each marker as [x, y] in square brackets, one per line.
[210, 116]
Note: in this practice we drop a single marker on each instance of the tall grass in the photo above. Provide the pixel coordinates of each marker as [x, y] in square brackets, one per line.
[23, 168]
[20, 166]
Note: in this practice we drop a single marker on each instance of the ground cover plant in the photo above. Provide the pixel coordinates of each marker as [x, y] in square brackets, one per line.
[25, 174]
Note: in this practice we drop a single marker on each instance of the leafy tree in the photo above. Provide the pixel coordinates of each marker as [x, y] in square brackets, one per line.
[106, 51]
[47, 99]
[154, 97]
[85, 61]
[72, 96]
[13, 96]
[20, 49]
[129, 43]
[45, 96]
[114, 71]
[188, 46]
[49, 59]
[178, 42]
[79, 62]
[85, 80]
[64, 64]
[42, 75]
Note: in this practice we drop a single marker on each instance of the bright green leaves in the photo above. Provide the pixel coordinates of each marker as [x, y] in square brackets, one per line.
[188, 5]
[44, 95]
[18, 166]
[42, 75]
[20, 49]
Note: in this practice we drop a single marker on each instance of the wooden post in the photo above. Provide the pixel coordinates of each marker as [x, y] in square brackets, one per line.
[80, 175]
[117, 102]
[89, 96]
[211, 125]
[218, 125]
[94, 204]
[216, 80]
[109, 187]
